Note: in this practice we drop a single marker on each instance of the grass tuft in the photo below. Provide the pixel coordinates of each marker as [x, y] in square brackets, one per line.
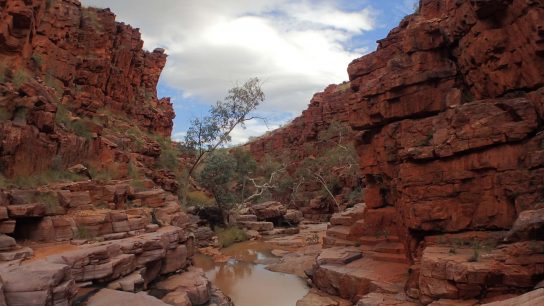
[231, 235]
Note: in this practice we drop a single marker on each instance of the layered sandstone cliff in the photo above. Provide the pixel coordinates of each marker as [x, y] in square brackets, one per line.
[449, 114]
[87, 168]
[58, 55]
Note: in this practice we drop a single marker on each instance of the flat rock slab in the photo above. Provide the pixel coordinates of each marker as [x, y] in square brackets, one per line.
[532, 298]
[257, 226]
[108, 297]
[317, 298]
[376, 298]
[339, 255]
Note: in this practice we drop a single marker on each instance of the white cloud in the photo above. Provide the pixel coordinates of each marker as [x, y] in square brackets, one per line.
[296, 47]
[254, 128]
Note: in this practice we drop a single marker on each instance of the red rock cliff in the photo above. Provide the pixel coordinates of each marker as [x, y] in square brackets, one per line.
[58, 53]
[449, 113]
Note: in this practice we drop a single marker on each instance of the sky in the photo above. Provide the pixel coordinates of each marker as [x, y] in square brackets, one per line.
[296, 48]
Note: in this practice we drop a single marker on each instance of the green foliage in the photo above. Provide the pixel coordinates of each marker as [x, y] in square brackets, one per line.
[199, 198]
[3, 71]
[49, 4]
[20, 76]
[80, 128]
[90, 18]
[50, 201]
[216, 176]
[44, 178]
[62, 116]
[4, 183]
[136, 177]
[37, 59]
[207, 134]
[169, 158]
[356, 195]
[231, 235]
[83, 232]
[104, 174]
[54, 83]
[245, 163]
[4, 114]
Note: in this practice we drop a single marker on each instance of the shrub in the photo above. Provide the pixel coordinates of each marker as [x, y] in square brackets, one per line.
[90, 18]
[3, 72]
[104, 174]
[54, 83]
[217, 175]
[37, 59]
[4, 114]
[44, 178]
[3, 182]
[199, 198]
[231, 235]
[50, 201]
[19, 78]
[81, 129]
[169, 158]
[83, 232]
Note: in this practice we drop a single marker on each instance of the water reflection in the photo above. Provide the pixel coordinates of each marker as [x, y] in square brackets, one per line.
[248, 283]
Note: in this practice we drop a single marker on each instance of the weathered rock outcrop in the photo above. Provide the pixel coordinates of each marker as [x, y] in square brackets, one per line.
[449, 114]
[72, 76]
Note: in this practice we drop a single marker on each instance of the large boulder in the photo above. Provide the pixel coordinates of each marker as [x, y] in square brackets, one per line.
[528, 225]
[193, 282]
[108, 297]
[269, 211]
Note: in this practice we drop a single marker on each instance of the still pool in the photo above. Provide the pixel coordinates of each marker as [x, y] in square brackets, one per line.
[247, 281]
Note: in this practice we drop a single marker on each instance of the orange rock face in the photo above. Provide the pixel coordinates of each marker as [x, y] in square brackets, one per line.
[60, 53]
[449, 114]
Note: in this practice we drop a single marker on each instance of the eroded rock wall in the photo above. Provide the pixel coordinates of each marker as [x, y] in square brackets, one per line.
[59, 54]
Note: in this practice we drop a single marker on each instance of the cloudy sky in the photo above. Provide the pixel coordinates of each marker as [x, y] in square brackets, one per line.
[296, 47]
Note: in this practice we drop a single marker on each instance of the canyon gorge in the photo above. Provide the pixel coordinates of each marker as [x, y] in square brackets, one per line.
[438, 148]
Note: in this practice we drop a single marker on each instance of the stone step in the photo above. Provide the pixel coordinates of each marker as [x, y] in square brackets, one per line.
[341, 232]
[386, 257]
[332, 241]
[389, 247]
[373, 240]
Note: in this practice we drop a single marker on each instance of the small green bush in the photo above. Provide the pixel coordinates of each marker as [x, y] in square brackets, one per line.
[3, 182]
[54, 83]
[19, 78]
[199, 198]
[90, 18]
[3, 71]
[104, 174]
[83, 232]
[169, 158]
[37, 59]
[44, 178]
[231, 235]
[81, 129]
[4, 114]
[49, 4]
[50, 201]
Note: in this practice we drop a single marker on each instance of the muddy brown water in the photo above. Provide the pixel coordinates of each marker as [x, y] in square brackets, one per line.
[247, 281]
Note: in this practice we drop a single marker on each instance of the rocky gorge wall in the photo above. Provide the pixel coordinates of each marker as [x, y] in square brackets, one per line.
[87, 169]
[448, 113]
[300, 140]
[58, 55]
